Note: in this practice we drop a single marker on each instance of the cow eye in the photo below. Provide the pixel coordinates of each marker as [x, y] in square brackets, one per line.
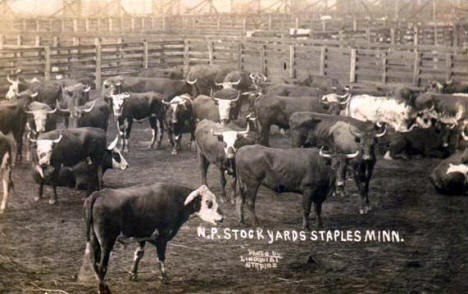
[209, 204]
[357, 140]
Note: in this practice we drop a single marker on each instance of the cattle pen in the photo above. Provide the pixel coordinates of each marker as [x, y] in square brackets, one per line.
[411, 238]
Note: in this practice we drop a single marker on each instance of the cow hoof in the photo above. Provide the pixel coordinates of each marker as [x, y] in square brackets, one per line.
[52, 201]
[104, 289]
[132, 277]
[36, 199]
[361, 211]
[164, 279]
[174, 152]
[387, 156]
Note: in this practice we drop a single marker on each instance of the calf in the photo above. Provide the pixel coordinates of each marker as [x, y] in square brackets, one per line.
[148, 213]
[138, 107]
[179, 119]
[6, 166]
[217, 145]
[77, 175]
[305, 171]
[68, 147]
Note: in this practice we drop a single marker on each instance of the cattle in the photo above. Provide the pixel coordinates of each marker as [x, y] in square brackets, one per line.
[179, 120]
[397, 114]
[343, 135]
[6, 166]
[138, 107]
[204, 77]
[276, 110]
[309, 172]
[77, 176]
[449, 177]
[43, 117]
[167, 87]
[13, 120]
[293, 90]
[147, 213]
[96, 116]
[175, 73]
[431, 142]
[217, 145]
[68, 147]
[446, 108]
[451, 87]
[72, 103]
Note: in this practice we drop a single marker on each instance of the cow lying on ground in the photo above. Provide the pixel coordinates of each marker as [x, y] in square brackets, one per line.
[450, 177]
[7, 151]
[305, 171]
[149, 213]
[77, 176]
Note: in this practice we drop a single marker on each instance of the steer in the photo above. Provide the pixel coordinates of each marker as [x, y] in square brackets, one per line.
[305, 171]
[345, 135]
[217, 145]
[179, 119]
[148, 213]
[68, 147]
[138, 107]
[6, 166]
[396, 113]
[276, 110]
[77, 175]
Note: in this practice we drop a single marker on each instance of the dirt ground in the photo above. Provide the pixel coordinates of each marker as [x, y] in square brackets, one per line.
[41, 245]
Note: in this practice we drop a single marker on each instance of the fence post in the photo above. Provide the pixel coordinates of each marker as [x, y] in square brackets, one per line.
[62, 25]
[19, 42]
[323, 55]
[416, 38]
[416, 68]
[38, 25]
[384, 67]
[240, 61]
[297, 22]
[218, 23]
[98, 80]
[352, 67]
[449, 65]
[145, 54]
[75, 25]
[111, 24]
[55, 41]
[292, 62]
[368, 36]
[244, 24]
[392, 36]
[37, 41]
[340, 37]
[47, 62]
[455, 35]
[86, 24]
[354, 24]
[186, 55]
[270, 22]
[210, 51]
[2, 41]
[132, 24]
[263, 61]
[163, 23]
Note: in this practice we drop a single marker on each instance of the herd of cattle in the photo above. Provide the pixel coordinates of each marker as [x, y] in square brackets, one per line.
[228, 114]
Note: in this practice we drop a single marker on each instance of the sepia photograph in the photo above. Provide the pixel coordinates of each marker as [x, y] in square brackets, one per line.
[234, 146]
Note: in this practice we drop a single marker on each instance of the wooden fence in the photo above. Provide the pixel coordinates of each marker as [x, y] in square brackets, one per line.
[279, 59]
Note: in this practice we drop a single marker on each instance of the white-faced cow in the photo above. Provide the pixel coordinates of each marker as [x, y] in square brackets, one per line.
[217, 145]
[179, 120]
[148, 213]
[450, 177]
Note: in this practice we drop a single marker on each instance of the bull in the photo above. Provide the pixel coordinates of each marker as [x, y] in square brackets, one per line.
[149, 213]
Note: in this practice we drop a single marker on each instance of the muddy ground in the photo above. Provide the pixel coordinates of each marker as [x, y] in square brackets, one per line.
[41, 245]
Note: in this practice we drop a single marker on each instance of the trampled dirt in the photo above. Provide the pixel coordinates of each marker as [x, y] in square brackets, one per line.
[42, 245]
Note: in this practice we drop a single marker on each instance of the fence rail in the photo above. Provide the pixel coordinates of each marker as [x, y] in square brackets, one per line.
[279, 59]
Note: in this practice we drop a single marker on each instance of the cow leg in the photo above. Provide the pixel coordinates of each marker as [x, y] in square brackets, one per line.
[179, 142]
[154, 131]
[359, 180]
[6, 186]
[240, 201]
[222, 181]
[251, 195]
[139, 252]
[265, 133]
[127, 132]
[204, 164]
[170, 136]
[107, 243]
[318, 212]
[161, 244]
[161, 131]
[53, 198]
[368, 175]
[19, 147]
[306, 205]
[41, 191]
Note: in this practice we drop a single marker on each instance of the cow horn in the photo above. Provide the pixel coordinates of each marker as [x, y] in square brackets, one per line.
[31, 139]
[352, 155]
[191, 82]
[87, 89]
[219, 84]
[460, 112]
[381, 134]
[92, 104]
[58, 139]
[52, 111]
[165, 102]
[193, 195]
[215, 133]
[410, 129]
[353, 132]
[252, 77]
[246, 130]
[323, 154]
[34, 95]
[113, 144]
[324, 100]
[236, 83]
[237, 98]
[449, 82]
[347, 96]
[57, 105]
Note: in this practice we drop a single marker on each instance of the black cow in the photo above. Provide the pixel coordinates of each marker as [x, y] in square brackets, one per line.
[138, 107]
[97, 116]
[73, 102]
[344, 135]
[167, 87]
[450, 176]
[179, 120]
[150, 213]
[77, 176]
[174, 73]
[217, 145]
[285, 170]
[276, 110]
[68, 147]
[6, 166]
[204, 77]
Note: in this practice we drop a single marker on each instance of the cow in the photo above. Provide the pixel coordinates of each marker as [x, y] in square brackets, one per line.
[42, 117]
[138, 107]
[309, 172]
[217, 145]
[13, 120]
[451, 87]
[77, 176]
[344, 135]
[204, 77]
[174, 73]
[73, 102]
[146, 213]
[68, 147]
[167, 87]
[179, 120]
[6, 167]
[293, 90]
[449, 177]
[397, 114]
[276, 110]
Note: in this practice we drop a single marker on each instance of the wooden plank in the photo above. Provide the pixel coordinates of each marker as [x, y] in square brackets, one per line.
[98, 75]
[352, 71]
[323, 56]
[416, 68]
[47, 66]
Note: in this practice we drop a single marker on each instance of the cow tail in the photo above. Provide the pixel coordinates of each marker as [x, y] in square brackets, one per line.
[88, 214]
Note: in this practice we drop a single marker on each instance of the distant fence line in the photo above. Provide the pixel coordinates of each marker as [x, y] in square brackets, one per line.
[279, 59]
[376, 31]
